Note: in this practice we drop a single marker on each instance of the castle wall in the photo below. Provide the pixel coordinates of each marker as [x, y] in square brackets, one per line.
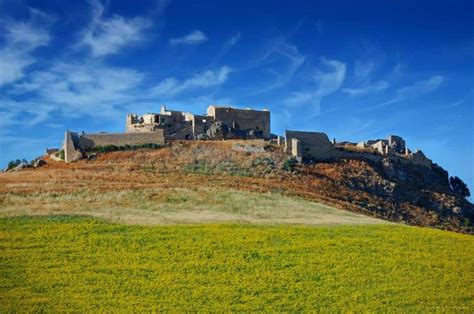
[313, 145]
[120, 139]
[243, 119]
[71, 153]
[74, 143]
[396, 143]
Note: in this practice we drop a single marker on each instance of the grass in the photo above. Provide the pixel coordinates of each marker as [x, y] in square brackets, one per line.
[180, 205]
[60, 263]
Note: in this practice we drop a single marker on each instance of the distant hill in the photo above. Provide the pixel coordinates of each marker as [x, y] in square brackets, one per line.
[208, 181]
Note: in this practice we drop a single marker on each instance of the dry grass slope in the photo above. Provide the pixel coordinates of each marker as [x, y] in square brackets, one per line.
[181, 205]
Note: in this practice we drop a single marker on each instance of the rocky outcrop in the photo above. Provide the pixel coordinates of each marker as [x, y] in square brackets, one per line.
[409, 192]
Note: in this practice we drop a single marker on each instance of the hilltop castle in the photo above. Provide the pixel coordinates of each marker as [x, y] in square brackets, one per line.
[224, 122]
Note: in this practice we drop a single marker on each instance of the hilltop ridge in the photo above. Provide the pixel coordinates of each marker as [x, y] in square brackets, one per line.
[385, 188]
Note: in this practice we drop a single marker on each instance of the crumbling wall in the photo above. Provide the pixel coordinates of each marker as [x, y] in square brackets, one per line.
[199, 124]
[74, 143]
[313, 145]
[242, 119]
[119, 139]
[396, 144]
[71, 152]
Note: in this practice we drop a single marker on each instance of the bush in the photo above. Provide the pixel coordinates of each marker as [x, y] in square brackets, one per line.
[113, 148]
[459, 187]
[14, 163]
[290, 164]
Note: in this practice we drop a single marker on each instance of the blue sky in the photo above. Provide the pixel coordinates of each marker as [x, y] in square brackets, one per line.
[355, 72]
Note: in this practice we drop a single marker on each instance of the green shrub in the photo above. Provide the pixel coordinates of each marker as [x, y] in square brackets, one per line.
[114, 148]
[199, 167]
[459, 187]
[14, 163]
[290, 164]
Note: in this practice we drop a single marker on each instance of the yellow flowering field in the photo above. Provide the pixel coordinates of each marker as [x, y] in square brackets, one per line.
[57, 263]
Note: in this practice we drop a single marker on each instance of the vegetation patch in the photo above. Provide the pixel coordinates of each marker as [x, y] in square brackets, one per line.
[180, 205]
[113, 148]
[62, 263]
[226, 167]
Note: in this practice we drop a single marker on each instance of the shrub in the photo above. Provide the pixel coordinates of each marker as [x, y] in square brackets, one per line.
[14, 163]
[290, 164]
[113, 148]
[459, 187]
[199, 167]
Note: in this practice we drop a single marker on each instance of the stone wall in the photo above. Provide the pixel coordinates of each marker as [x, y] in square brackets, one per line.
[313, 145]
[75, 143]
[120, 139]
[70, 151]
[242, 119]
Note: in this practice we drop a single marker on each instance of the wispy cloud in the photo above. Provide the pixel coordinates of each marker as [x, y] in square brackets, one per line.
[196, 37]
[414, 90]
[364, 70]
[171, 86]
[376, 87]
[282, 60]
[106, 36]
[232, 40]
[21, 39]
[78, 89]
[421, 87]
[325, 83]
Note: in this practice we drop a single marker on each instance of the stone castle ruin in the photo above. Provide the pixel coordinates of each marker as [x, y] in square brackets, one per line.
[219, 123]
[316, 146]
[223, 122]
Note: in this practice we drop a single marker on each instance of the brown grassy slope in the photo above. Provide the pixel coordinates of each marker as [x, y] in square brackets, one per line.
[191, 165]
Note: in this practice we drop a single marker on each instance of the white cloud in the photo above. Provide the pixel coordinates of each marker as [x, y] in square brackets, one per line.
[282, 60]
[194, 38]
[330, 81]
[21, 39]
[420, 87]
[376, 87]
[412, 91]
[80, 89]
[325, 84]
[106, 36]
[171, 86]
[12, 65]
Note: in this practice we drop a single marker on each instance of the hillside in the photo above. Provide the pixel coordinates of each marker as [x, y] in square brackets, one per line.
[227, 226]
[206, 176]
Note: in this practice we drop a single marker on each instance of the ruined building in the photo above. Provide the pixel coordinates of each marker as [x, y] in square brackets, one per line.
[223, 122]
[155, 128]
[394, 144]
[316, 146]
[219, 123]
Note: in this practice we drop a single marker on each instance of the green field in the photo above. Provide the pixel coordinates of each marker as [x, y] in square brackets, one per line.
[56, 263]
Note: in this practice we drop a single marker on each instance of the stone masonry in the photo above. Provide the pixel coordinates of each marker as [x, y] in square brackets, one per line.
[221, 122]
[75, 144]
